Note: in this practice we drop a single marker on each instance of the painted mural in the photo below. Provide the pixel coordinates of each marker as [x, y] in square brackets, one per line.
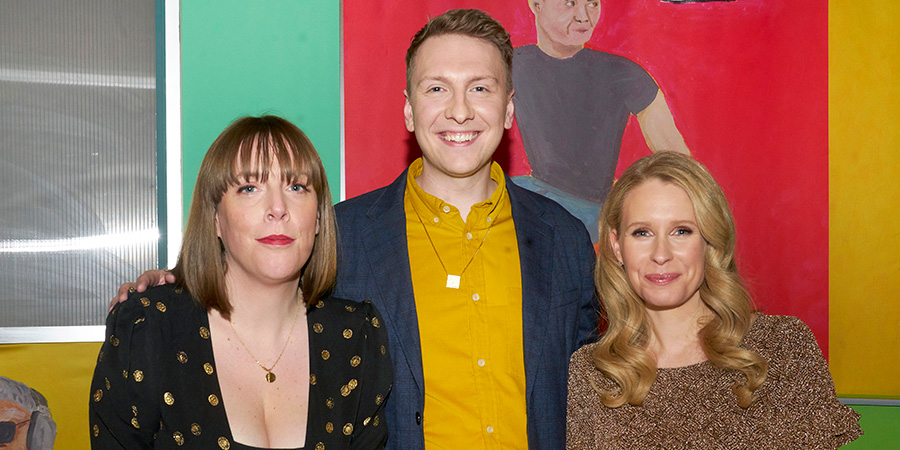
[743, 85]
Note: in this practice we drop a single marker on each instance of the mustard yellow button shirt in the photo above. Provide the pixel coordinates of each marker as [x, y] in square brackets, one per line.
[471, 336]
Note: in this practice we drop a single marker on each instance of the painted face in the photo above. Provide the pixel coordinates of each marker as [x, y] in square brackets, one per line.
[660, 245]
[268, 229]
[457, 105]
[567, 22]
[14, 423]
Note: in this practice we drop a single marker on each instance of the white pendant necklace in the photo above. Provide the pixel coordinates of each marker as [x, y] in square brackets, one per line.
[453, 281]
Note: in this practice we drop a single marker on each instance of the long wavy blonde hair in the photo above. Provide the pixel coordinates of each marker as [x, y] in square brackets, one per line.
[621, 353]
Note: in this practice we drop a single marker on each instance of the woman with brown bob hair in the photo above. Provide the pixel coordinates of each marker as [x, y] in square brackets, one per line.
[686, 361]
[249, 301]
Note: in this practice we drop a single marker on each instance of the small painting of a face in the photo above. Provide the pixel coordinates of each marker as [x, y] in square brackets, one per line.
[566, 23]
[25, 420]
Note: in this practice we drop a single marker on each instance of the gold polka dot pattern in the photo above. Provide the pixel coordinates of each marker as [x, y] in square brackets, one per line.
[341, 334]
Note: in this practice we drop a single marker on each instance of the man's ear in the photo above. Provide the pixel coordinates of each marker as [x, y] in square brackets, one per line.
[534, 5]
[614, 243]
[510, 110]
[408, 113]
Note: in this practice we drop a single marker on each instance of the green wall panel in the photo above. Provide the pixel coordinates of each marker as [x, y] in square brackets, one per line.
[241, 58]
[881, 425]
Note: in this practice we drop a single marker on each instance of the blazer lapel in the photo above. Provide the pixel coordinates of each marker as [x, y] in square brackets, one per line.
[535, 238]
[388, 255]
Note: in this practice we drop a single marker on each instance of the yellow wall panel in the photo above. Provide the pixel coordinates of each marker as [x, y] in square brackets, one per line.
[864, 197]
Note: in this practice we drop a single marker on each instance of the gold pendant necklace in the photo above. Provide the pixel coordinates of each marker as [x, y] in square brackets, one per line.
[270, 376]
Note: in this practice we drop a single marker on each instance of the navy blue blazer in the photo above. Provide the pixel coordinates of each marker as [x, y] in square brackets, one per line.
[559, 304]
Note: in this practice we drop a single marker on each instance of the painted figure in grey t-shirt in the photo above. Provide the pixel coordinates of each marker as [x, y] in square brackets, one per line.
[572, 105]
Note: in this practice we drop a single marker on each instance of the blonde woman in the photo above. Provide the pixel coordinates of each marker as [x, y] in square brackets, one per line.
[686, 361]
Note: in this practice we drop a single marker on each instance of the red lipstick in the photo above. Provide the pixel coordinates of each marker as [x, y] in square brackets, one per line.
[275, 239]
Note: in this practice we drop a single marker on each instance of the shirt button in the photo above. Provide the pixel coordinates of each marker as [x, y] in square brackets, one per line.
[469, 236]
[489, 219]
[475, 297]
[446, 209]
[490, 429]
[480, 363]
[436, 220]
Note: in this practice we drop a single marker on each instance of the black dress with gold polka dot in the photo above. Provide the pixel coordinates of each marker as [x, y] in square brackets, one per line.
[155, 384]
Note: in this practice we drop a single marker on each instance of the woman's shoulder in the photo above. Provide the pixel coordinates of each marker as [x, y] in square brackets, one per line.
[333, 309]
[583, 355]
[773, 333]
[581, 366]
[159, 304]
[347, 316]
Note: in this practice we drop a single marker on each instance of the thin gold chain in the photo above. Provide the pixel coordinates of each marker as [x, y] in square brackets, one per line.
[270, 376]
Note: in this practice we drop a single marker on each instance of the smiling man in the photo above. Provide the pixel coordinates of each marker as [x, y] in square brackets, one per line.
[485, 287]
[573, 105]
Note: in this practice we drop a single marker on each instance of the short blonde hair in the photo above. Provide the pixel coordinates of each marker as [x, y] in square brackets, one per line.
[622, 353]
[473, 23]
[248, 144]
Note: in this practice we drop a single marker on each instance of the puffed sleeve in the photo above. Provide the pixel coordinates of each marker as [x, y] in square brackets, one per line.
[371, 429]
[807, 400]
[580, 410]
[121, 413]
